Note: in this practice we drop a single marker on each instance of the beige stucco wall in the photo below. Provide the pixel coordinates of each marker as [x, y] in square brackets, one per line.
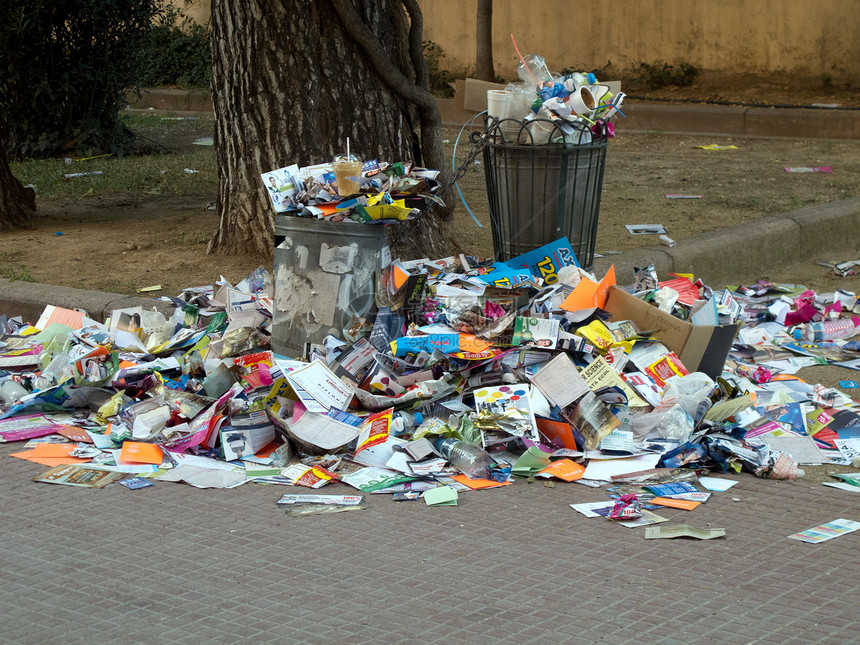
[197, 10]
[789, 36]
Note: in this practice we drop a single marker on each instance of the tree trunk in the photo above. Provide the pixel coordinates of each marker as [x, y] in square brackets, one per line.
[484, 68]
[292, 80]
[17, 204]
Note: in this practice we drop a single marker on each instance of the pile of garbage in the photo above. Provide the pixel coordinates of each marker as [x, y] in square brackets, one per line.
[370, 192]
[544, 106]
[472, 374]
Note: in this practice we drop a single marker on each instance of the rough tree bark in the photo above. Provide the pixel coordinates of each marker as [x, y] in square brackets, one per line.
[293, 79]
[17, 204]
[484, 67]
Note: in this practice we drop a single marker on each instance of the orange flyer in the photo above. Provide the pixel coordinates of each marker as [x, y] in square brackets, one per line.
[138, 452]
[683, 504]
[478, 484]
[566, 469]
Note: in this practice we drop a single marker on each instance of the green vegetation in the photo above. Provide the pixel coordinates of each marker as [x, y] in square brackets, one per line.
[442, 78]
[11, 270]
[177, 52]
[154, 174]
[66, 69]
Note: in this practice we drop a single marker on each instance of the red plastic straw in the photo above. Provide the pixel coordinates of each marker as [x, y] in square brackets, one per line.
[523, 60]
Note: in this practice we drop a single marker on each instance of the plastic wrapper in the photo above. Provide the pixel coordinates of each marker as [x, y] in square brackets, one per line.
[513, 421]
[296, 505]
[626, 507]
[666, 297]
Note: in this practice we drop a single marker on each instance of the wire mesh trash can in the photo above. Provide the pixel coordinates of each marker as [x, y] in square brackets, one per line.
[543, 183]
[324, 279]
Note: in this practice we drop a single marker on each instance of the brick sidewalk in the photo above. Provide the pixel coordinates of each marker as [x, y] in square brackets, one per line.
[176, 564]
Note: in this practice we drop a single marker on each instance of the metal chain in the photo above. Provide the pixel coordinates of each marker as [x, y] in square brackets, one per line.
[478, 141]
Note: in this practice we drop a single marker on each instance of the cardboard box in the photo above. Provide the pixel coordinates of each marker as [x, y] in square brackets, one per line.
[702, 348]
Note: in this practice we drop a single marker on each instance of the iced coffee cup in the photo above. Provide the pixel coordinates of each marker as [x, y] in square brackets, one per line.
[347, 174]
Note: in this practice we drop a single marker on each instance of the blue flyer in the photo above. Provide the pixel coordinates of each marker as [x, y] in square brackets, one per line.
[546, 261]
[136, 482]
[501, 275]
[447, 343]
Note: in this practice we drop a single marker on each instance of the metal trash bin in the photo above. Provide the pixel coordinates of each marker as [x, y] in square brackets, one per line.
[324, 278]
[543, 184]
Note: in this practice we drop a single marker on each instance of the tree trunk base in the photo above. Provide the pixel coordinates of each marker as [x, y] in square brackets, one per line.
[17, 203]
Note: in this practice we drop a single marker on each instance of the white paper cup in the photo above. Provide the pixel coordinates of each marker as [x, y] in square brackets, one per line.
[582, 102]
[499, 104]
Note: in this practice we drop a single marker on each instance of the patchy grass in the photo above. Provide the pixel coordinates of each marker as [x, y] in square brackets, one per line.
[152, 174]
[12, 270]
[168, 139]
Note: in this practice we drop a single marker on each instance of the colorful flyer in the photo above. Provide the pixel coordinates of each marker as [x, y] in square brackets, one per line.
[538, 332]
[280, 187]
[547, 261]
[828, 531]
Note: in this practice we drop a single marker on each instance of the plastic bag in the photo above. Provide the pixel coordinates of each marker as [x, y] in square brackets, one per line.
[690, 392]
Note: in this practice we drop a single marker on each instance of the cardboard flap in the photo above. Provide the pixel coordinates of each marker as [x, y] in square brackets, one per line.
[701, 348]
[671, 331]
[707, 347]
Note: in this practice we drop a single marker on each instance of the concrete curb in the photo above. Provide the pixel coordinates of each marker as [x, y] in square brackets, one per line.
[739, 120]
[724, 256]
[28, 300]
[688, 118]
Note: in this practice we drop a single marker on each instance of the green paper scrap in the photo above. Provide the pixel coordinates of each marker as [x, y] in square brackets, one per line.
[531, 461]
[851, 478]
[440, 496]
[260, 470]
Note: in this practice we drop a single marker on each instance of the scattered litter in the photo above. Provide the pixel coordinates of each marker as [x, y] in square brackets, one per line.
[295, 505]
[440, 496]
[803, 169]
[682, 196]
[682, 530]
[716, 146]
[848, 385]
[645, 229]
[843, 268]
[204, 141]
[58, 234]
[472, 375]
[180, 118]
[851, 488]
[82, 174]
[716, 483]
[78, 475]
[135, 483]
[156, 287]
[667, 241]
[828, 531]
[189, 171]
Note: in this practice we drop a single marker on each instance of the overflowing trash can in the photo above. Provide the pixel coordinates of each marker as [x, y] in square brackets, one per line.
[544, 182]
[324, 277]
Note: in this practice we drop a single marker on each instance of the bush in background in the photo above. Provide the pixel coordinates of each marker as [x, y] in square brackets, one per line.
[67, 66]
[177, 52]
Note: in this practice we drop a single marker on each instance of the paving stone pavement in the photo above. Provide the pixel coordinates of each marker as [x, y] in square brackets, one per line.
[174, 564]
